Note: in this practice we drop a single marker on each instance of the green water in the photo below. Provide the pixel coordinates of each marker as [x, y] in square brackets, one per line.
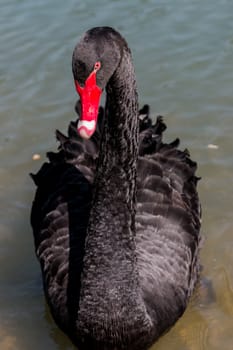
[183, 54]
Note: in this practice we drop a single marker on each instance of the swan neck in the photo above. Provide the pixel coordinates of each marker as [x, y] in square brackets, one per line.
[112, 217]
[110, 262]
[119, 147]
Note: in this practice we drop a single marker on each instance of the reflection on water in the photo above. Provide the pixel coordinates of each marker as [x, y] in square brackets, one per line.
[183, 58]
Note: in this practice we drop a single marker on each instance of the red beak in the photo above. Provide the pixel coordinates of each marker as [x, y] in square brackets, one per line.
[90, 98]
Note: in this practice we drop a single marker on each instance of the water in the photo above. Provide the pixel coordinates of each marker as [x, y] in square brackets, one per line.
[183, 54]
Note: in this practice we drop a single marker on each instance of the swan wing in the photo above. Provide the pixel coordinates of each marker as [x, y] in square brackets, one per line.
[167, 224]
[59, 218]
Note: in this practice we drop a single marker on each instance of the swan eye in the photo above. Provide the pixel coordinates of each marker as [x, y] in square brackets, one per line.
[97, 66]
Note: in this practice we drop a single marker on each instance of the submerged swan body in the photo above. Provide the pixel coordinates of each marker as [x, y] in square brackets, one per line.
[116, 216]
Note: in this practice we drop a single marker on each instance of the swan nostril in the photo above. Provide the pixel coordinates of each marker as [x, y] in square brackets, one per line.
[97, 66]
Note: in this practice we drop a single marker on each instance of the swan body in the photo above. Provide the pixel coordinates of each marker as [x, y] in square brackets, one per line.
[116, 216]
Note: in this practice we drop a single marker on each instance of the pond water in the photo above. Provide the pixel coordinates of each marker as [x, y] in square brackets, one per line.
[183, 55]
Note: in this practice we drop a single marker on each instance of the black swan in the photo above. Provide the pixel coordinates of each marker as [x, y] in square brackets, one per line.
[116, 216]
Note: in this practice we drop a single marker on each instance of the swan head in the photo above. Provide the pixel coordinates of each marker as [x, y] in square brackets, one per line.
[95, 59]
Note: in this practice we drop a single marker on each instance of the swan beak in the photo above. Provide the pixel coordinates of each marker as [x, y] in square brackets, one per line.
[90, 98]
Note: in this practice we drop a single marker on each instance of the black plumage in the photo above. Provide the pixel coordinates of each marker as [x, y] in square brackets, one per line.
[116, 218]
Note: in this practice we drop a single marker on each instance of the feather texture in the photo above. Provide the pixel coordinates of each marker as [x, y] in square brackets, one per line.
[116, 222]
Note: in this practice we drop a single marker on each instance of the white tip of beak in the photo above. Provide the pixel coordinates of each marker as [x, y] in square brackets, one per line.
[86, 128]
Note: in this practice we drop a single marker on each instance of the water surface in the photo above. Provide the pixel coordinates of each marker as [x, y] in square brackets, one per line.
[183, 54]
